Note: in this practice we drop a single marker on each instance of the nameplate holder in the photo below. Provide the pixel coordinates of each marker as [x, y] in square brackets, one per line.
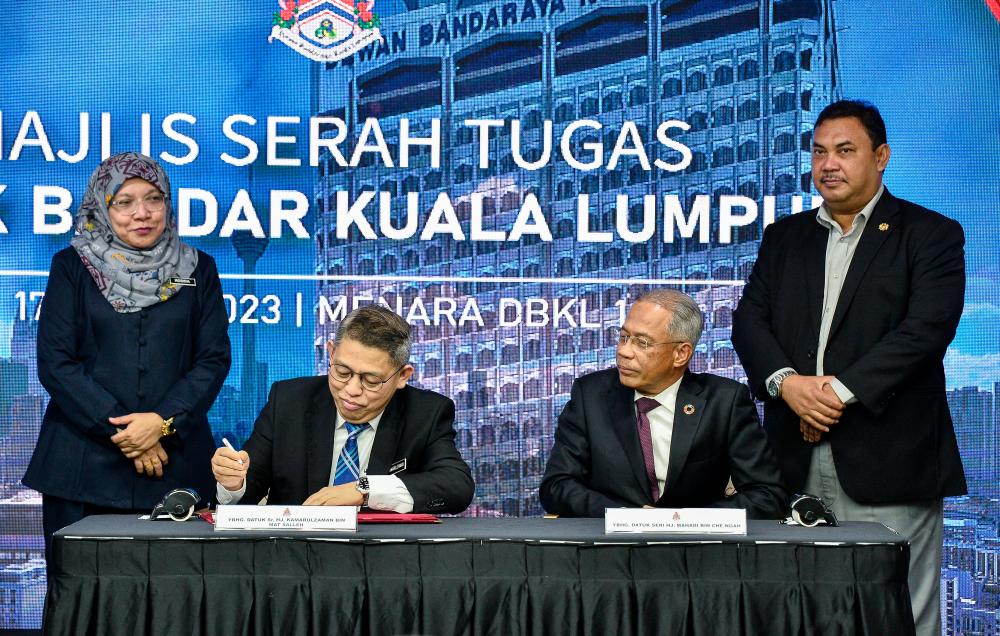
[287, 518]
[675, 521]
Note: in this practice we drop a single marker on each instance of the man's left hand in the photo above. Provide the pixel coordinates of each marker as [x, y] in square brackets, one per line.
[140, 433]
[342, 495]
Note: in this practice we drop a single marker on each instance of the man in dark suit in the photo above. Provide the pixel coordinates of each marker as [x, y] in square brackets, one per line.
[842, 329]
[651, 433]
[359, 437]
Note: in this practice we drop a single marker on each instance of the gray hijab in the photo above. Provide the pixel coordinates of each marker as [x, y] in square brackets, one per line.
[129, 278]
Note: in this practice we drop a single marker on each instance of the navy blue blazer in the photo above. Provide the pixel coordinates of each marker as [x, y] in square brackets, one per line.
[898, 311]
[596, 460]
[95, 363]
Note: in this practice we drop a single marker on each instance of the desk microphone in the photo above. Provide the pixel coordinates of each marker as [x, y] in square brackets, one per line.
[810, 511]
[178, 504]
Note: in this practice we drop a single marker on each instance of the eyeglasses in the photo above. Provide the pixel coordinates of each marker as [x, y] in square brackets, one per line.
[642, 343]
[129, 205]
[371, 382]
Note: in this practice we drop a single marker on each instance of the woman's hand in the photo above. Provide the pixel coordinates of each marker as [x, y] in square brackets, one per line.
[141, 433]
[152, 461]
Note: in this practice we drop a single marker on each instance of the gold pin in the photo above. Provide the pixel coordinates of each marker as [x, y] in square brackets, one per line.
[689, 409]
[883, 227]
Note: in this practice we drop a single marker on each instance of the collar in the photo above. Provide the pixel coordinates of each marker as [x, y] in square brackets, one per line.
[824, 218]
[667, 396]
[372, 422]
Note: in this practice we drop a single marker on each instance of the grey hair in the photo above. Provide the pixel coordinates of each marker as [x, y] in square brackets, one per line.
[686, 320]
[380, 328]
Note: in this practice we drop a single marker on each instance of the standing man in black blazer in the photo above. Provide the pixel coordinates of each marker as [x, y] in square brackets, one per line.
[651, 433]
[359, 437]
[842, 330]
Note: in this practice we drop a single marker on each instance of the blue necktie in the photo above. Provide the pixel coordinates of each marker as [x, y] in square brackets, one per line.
[348, 466]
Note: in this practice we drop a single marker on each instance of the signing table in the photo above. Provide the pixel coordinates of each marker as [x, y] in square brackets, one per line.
[119, 575]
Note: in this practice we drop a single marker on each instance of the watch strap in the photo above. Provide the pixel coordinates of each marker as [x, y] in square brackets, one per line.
[362, 488]
[777, 381]
[168, 427]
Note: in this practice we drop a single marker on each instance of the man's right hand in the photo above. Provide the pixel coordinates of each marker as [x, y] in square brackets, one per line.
[227, 469]
[809, 433]
[813, 399]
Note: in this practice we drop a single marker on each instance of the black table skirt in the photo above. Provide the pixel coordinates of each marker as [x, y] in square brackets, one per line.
[243, 584]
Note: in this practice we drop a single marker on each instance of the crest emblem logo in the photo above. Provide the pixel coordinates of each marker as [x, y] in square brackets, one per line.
[325, 30]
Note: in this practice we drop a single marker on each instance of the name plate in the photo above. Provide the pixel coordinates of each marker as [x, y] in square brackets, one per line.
[339, 518]
[675, 520]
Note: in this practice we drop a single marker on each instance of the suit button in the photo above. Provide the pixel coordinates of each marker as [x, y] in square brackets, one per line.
[811, 354]
[142, 368]
[142, 342]
[140, 394]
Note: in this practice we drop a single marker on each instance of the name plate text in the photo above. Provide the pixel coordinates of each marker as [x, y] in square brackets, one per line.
[339, 518]
[675, 520]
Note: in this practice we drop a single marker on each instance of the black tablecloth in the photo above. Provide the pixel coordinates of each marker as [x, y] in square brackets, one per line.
[119, 575]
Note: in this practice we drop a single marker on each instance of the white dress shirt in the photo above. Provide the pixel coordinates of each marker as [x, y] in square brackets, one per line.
[386, 492]
[661, 429]
[840, 248]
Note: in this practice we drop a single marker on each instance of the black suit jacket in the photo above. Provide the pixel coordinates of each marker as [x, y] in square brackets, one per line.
[597, 463]
[291, 447]
[898, 310]
[170, 358]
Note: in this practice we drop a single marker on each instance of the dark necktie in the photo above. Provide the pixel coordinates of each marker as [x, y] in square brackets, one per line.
[643, 406]
[348, 465]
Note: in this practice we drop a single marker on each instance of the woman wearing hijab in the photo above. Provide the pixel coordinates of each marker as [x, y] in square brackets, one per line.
[132, 349]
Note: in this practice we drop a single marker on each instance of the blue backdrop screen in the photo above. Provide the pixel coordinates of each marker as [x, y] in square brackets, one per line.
[508, 176]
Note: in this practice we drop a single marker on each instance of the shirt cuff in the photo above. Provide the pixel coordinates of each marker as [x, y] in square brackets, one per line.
[845, 394]
[388, 492]
[224, 496]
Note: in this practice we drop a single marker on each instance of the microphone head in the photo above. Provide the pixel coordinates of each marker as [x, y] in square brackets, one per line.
[810, 511]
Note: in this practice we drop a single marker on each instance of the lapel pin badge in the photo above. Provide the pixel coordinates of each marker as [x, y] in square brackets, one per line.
[689, 409]
[883, 227]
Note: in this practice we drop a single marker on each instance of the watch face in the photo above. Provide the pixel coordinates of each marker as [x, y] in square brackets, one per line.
[772, 388]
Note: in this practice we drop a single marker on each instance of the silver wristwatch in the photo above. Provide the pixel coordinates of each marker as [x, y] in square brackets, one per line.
[363, 489]
[774, 386]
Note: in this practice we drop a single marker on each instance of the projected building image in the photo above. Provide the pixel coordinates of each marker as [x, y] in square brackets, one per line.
[748, 83]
